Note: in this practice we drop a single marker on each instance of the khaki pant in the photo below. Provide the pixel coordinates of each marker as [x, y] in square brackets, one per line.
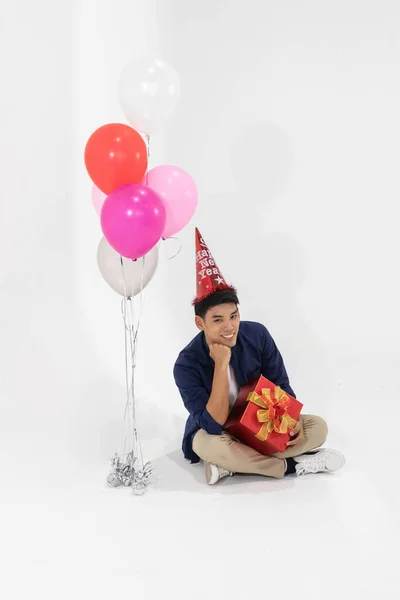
[228, 453]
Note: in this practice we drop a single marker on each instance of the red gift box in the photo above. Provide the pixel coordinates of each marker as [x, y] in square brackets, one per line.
[263, 416]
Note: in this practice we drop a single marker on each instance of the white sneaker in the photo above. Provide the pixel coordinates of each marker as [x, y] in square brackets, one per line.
[322, 461]
[214, 473]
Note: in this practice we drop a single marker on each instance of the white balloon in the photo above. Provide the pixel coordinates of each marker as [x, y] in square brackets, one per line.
[149, 91]
[133, 272]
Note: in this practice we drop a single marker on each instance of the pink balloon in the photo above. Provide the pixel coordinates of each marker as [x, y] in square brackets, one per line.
[179, 191]
[98, 198]
[133, 219]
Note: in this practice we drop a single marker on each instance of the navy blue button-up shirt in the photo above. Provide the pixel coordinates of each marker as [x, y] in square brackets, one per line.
[254, 354]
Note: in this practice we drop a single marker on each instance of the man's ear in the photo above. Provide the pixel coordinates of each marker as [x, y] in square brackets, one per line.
[199, 323]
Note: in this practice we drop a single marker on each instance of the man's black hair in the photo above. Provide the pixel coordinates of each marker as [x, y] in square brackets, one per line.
[228, 296]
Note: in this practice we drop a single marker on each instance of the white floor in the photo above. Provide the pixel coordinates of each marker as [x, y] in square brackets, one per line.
[66, 535]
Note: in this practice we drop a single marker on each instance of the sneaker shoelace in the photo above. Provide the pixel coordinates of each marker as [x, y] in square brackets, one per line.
[224, 472]
[314, 464]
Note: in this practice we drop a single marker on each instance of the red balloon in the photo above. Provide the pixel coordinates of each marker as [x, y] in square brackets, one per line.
[115, 155]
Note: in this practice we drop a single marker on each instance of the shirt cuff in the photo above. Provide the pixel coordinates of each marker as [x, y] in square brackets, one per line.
[210, 425]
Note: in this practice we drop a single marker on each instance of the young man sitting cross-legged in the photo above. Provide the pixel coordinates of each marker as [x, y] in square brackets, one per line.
[224, 356]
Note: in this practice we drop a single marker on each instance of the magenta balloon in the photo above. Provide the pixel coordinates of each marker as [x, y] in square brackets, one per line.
[179, 192]
[133, 220]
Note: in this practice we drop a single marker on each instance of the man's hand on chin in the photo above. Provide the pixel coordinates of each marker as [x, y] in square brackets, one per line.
[220, 354]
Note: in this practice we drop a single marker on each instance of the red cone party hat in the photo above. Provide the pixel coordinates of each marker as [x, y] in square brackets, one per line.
[209, 278]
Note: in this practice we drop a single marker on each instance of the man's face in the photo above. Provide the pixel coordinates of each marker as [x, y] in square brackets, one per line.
[221, 324]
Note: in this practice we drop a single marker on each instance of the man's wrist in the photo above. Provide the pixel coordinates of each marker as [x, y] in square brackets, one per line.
[221, 365]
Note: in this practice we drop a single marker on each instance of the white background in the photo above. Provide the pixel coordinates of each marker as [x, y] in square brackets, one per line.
[289, 123]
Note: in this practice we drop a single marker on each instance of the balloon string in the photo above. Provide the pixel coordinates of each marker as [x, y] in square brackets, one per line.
[179, 249]
[124, 316]
[132, 439]
[134, 344]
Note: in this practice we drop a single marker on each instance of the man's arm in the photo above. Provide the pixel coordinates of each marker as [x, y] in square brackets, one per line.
[195, 398]
[273, 367]
[209, 411]
[218, 404]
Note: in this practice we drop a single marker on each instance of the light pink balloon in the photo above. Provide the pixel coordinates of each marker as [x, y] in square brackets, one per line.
[98, 198]
[179, 192]
[133, 219]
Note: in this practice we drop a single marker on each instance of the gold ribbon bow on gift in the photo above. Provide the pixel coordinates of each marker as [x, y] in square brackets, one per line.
[274, 414]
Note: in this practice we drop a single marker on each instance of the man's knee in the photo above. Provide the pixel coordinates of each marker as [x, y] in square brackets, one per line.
[319, 431]
[204, 443]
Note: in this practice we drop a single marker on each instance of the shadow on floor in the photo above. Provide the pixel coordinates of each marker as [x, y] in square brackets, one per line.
[173, 473]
